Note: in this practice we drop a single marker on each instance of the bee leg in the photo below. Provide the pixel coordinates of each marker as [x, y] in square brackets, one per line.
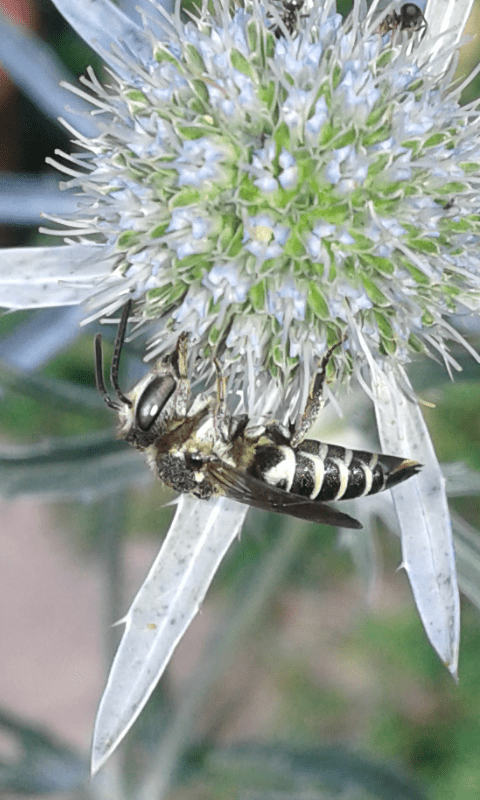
[221, 419]
[315, 398]
[237, 426]
[179, 362]
[178, 358]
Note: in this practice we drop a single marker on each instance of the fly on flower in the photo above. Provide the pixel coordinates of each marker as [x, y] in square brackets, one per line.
[409, 18]
[194, 445]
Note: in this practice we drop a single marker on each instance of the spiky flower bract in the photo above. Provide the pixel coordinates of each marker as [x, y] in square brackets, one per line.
[271, 193]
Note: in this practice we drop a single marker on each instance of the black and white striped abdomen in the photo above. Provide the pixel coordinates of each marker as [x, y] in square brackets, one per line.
[328, 472]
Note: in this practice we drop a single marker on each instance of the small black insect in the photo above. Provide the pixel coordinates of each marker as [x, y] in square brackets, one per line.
[409, 18]
[195, 445]
[289, 17]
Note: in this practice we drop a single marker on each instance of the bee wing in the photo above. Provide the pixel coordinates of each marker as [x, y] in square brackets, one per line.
[247, 489]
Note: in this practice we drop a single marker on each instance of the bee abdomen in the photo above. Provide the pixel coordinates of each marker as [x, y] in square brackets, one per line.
[329, 472]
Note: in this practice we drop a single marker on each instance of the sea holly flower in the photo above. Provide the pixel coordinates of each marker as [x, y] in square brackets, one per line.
[271, 190]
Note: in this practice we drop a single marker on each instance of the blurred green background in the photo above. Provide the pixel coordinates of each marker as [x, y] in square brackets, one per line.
[306, 675]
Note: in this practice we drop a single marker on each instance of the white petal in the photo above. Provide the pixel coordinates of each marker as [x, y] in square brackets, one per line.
[423, 515]
[172, 592]
[38, 277]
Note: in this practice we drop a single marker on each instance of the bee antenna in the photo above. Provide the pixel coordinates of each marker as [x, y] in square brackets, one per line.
[100, 383]
[117, 351]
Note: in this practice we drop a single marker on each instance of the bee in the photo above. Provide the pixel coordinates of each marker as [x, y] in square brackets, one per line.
[195, 445]
[409, 18]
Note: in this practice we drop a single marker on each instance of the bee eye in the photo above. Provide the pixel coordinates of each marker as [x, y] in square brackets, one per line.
[194, 460]
[153, 400]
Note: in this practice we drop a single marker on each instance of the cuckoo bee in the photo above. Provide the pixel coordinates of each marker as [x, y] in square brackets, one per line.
[409, 18]
[194, 445]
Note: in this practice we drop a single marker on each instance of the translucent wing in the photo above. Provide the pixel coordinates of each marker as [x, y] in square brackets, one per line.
[246, 489]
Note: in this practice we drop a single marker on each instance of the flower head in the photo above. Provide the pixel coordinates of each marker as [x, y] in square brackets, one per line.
[274, 181]
[272, 194]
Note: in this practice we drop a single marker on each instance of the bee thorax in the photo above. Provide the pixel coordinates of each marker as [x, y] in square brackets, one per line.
[174, 472]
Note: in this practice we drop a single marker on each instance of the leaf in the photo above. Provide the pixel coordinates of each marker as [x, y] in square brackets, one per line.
[74, 467]
[423, 515]
[23, 198]
[331, 771]
[51, 330]
[54, 392]
[461, 480]
[20, 47]
[41, 765]
[467, 550]
[199, 537]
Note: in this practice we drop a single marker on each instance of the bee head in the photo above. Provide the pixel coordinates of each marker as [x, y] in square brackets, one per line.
[411, 17]
[141, 412]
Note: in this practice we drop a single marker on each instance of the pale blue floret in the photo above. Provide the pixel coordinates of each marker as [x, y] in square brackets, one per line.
[414, 121]
[346, 45]
[402, 78]
[289, 176]
[171, 80]
[288, 54]
[236, 30]
[330, 28]
[223, 279]
[195, 305]
[311, 54]
[228, 107]
[266, 183]
[356, 95]
[200, 227]
[263, 158]
[247, 95]
[347, 299]
[354, 172]
[389, 145]
[195, 228]
[401, 169]
[186, 249]
[295, 107]
[344, 237]
[198, 162]
[314, 125]
[385, 231]
[180, 219]
[333, 172]
[245, 340]
[264, 248]
[286, 301]
[314, 246]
